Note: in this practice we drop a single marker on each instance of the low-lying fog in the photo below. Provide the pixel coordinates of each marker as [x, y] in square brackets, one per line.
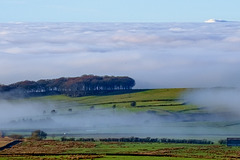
[215, 99]
[21, 115]
[42, 115]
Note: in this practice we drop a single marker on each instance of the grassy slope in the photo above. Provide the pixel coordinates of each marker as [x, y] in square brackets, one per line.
[162, 101]
[159, 101]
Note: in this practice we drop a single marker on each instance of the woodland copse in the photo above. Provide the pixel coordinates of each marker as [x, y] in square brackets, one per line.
[73, 86]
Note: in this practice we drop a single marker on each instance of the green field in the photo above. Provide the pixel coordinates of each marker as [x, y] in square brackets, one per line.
[161, 101]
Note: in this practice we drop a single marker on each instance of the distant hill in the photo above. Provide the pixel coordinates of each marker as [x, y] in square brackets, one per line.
[215, 20]
[73, 86]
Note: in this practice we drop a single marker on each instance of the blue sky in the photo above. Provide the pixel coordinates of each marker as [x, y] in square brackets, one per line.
[118, 10]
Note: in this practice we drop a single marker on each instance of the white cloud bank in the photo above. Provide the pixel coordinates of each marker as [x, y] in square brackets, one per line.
[154, 54]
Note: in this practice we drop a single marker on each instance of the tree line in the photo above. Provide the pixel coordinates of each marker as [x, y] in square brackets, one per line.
[73, 86]
[137, 139]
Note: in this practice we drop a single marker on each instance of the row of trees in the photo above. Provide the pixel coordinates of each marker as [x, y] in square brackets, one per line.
[73, 86]
[137, 139]
[162, 140]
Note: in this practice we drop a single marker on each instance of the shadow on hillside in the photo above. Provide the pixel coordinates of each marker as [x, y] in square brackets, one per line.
[119, 92]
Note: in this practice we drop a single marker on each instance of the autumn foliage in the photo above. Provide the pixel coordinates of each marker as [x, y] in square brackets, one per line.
[74, 86]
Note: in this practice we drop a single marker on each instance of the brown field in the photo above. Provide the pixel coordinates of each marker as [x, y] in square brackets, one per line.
[46, 147]
[92, 150]
[5, 141]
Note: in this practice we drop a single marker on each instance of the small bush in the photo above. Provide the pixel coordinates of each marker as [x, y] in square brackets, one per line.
[67, 139]
[63, 139]
[222, 141]
[133, 103]
[53, 111]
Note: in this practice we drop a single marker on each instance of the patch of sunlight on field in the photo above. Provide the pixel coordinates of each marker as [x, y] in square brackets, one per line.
[158, 103]
[149, 100]
[149, 95]
[179, 108]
